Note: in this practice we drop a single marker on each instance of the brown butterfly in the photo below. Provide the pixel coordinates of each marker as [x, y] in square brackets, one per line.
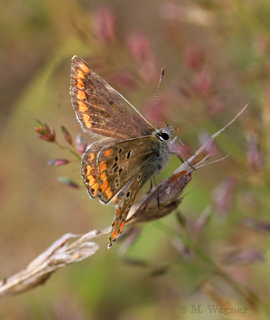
[132, 152]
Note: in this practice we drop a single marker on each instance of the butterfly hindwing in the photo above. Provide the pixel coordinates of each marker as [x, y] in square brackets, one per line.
[89, 169]
[120, 162]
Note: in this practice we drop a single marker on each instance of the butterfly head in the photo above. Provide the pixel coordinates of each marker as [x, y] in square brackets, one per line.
[165, 134]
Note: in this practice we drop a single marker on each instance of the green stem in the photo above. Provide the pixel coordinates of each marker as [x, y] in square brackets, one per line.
[71, 151]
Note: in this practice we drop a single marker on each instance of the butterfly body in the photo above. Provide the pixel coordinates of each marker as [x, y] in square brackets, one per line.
[131, 152]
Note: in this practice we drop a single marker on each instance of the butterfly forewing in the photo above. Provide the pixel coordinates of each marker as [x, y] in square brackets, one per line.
[101, 109]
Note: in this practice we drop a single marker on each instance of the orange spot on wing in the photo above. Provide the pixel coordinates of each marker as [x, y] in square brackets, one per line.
[89, 169]
[113, 236]
[82, 106]
[87, 121]
[92, 180]
[104, 186]
[85, 68]
[80, 95]
[108, 152]
[80, 84]
[117, 212]
[80, 74]
[121, 226]
[92, 156]
[108, 193]
[103, 177]
[116, 232]
[93, 190]
[102, 166]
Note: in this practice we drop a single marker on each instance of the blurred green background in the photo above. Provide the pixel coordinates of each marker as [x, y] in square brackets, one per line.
[216, 57]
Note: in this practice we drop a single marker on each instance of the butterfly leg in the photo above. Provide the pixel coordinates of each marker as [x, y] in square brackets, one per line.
[177, 152]
[151, 186]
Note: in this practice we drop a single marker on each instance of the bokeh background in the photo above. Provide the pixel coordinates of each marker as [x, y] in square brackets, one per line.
[216, 56]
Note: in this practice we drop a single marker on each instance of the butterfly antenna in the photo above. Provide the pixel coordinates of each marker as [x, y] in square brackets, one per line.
[162, 72]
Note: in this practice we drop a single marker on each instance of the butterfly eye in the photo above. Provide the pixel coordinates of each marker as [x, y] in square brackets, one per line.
[164, 135]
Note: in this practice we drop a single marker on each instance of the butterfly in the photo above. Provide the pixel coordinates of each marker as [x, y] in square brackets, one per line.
[131, 151]
[171, 189]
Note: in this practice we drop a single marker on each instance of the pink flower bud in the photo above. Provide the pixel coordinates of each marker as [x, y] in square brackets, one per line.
[52, 134]
[214, 106]
[203, 219]
[46, 128]
[139, 48]
[81, 144]
[68, 182]
[58, 162]
[40, 127]
[203, 84]
[258, 225]
[253, 151]
[222, 196]
[261, 45]
[170, 10]
[67, 135]
[105, 25]
[244, 256]
[40, 130]
[46, 133]
[47, 138]
[193, 58]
